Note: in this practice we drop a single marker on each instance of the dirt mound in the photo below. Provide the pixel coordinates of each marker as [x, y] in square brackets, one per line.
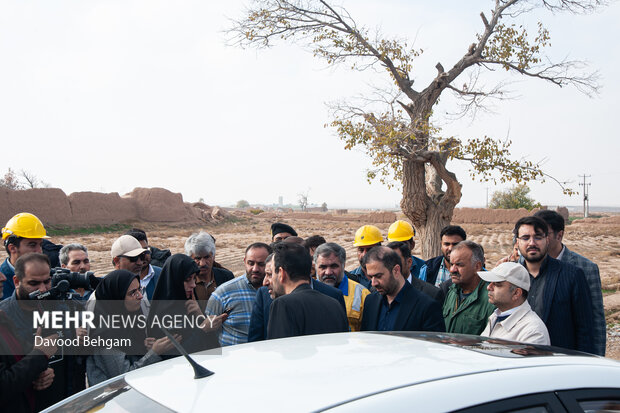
[49, 204]
[95, 208]
[489, 216]
[382, 217]
[613, 220]
[54, 207]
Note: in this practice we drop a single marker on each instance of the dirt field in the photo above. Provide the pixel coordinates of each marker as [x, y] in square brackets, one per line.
[597, 239]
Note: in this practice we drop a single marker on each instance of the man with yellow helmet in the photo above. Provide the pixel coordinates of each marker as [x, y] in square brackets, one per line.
[22, 234]
[404, 232]
[366, 237]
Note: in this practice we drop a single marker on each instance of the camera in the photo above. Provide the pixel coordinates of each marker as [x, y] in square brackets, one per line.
[63, 282]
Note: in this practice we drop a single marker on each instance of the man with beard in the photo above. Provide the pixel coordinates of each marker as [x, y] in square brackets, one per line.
[201, 247]
[298, 309]
[466, 307]
[396, 306]
[558, 250]
[559, 292]
[22, 234]
[32, 273]
[259, 320]
[236, 297]
[513, 319]
[403, 251]
[329, 259]
[438, 269]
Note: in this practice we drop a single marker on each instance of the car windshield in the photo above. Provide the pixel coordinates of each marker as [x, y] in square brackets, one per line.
[114, 396]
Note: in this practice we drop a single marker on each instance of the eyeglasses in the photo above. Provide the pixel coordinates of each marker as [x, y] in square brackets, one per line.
[527, 238]
[134, 259]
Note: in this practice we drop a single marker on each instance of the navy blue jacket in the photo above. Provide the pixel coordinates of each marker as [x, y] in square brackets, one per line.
[567, 307]
[432, 268]
[150, 287]
[260, 312]
[418, 312]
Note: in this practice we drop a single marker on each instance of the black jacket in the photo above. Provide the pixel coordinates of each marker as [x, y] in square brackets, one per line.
[567, 307]
[418, 312]
[303, 312]
[429, 289]
[16, 377]
[432, 268]
[260, 312]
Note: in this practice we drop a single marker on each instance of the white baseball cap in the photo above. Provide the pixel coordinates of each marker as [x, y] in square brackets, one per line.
[512, 272]
[128, 246]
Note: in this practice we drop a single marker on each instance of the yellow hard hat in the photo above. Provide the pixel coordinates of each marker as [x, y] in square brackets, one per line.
[24, 225]
[367, 235]
[400, 231]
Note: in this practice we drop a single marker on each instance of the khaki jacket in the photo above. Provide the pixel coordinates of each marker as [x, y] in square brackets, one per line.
[523, 325]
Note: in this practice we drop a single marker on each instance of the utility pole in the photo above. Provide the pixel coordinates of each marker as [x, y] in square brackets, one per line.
[586, 199]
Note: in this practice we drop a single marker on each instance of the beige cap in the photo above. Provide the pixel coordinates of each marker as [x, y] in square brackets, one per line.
[128, 246]
[512, 272]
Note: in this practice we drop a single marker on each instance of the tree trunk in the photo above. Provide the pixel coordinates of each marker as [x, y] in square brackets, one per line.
[437, 217]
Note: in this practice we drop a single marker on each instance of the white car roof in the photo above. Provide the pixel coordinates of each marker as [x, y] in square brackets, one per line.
[316, 372]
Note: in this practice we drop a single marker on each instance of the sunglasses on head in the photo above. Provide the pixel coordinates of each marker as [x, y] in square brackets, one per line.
[134, 259]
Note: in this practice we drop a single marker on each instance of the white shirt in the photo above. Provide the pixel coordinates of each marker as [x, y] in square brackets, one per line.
[522, 325]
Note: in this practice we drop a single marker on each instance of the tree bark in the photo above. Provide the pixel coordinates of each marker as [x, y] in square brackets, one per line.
[437, 218]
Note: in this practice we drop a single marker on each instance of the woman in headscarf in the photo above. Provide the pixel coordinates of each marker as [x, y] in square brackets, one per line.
[118, 295]
[174, 296]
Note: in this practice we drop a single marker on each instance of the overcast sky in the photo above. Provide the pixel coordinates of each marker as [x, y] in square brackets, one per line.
[115, 94]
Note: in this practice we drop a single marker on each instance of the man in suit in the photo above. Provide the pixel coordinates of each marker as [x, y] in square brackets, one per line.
[558, 250]
[403, 250]
[298, 309]
[396, 306]
[201, 247]
[438, 269]
[259, 320]
[559, 292]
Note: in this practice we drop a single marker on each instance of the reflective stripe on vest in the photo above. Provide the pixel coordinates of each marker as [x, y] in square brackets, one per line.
[357, 298]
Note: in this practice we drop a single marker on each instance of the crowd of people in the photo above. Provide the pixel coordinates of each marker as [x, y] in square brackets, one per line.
[541, 294]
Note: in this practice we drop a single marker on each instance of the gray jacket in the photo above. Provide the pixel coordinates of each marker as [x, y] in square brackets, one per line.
[105, 364]
[593, 279]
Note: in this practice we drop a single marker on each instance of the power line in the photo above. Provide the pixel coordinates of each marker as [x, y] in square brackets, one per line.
[586, 198]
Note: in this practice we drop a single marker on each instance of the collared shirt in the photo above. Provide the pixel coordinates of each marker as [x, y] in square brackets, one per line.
[389, 312]
[145, 281]
[502, 315]
[238, 295]
[536, 293]
[559, 257]
[443, 274]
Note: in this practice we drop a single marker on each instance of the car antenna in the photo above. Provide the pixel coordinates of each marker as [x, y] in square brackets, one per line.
[199, 371]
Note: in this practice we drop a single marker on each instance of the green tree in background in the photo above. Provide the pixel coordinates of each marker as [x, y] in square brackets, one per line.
[513, 198]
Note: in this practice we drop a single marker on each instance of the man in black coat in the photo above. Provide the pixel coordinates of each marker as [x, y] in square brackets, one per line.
[259, 320]
[396, 306]
[403, 250]
[558, 292]
[298, 309]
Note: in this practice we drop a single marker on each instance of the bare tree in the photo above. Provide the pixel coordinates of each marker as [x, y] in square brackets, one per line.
[303, 200]
[10, 181]
[396, 130]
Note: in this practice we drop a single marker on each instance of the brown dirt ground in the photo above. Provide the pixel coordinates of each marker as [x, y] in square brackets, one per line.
[597, 239]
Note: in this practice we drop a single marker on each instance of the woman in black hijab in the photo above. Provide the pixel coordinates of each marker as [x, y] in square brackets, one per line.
[118, 294]
[174, 296]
